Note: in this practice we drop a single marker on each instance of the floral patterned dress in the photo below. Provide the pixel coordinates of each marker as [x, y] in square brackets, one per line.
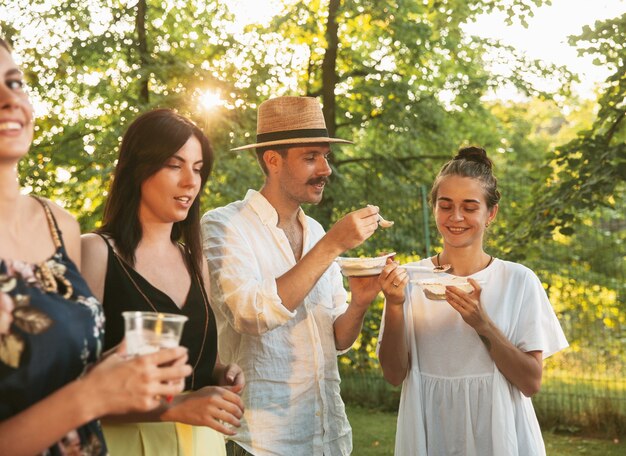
[51, 332]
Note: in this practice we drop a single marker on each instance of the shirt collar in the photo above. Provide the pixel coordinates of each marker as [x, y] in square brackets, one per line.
[264, 209]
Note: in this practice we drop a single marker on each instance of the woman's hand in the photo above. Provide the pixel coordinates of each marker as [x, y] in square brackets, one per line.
[393, 280]
[138, 384]
[468, 305]
[393, 352]
[522, 369]
[214, 406]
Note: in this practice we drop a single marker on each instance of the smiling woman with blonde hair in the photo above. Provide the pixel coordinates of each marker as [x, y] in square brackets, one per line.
[52, 385]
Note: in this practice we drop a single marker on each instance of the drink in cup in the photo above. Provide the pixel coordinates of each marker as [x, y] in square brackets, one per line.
[148, 332]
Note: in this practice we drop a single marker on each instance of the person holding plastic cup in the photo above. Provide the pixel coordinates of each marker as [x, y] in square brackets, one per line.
[147, 257]
[53, 383]
[148, 332]
[468, 357]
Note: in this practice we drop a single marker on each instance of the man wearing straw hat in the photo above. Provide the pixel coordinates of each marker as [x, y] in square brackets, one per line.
[278, 296]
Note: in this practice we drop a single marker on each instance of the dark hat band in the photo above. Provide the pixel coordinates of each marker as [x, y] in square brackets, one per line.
[292, 134]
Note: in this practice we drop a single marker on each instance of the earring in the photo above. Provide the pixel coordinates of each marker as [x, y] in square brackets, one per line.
[487, 225]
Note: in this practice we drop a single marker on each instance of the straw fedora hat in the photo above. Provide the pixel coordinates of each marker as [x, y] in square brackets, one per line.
[291, 120]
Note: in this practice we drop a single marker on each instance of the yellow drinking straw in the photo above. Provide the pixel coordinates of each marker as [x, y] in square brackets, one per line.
[158, 328]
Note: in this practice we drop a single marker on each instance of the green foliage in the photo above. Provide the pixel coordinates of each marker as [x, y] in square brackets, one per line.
[408, 90]
[92, 70]
[589, 170]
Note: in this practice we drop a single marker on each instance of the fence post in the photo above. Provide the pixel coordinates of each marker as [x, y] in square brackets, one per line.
[425, 220]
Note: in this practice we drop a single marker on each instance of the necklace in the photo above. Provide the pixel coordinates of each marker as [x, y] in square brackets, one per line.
[488, 264]
[205, 299]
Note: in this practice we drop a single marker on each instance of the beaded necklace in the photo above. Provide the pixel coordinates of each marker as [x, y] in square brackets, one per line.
[488, 264]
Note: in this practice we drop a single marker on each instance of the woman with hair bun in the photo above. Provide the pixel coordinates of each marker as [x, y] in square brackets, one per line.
[468, 362]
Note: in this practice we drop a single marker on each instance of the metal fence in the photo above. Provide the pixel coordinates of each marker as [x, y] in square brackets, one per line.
[584, 387]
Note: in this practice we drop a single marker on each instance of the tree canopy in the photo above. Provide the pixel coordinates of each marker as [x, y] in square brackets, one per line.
[589, 170]
[401, 79]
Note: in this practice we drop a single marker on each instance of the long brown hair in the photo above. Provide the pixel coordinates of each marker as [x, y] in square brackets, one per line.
[148, 143]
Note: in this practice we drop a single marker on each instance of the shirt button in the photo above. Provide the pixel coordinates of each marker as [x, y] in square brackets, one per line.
[317, 413]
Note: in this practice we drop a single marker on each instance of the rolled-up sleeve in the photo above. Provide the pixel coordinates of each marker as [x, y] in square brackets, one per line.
[340, 296]
[239, 290]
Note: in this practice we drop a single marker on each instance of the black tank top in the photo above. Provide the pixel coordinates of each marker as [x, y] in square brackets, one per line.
[199, 334]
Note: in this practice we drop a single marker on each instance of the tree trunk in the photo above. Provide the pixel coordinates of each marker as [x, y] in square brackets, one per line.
[329, 81]
[142, 46]
[329, 67]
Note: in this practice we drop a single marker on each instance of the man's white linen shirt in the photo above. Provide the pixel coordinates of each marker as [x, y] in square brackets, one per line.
[292, 398]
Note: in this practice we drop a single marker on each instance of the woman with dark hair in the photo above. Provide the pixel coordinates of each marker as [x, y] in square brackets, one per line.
[53, 387]
[469, 357]
[147, 256]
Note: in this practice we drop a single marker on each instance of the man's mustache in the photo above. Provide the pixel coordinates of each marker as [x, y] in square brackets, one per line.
[318, 180]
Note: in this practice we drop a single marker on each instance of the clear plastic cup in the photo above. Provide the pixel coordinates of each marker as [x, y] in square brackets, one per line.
[148, 332]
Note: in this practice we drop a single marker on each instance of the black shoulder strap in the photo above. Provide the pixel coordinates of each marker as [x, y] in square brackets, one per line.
[106, 240]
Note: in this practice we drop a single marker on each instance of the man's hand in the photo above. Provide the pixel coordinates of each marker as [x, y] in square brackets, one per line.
[364, 290]
[229, 375]
[353, 229]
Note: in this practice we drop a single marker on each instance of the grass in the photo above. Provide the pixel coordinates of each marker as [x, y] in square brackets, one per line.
[374, 433]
